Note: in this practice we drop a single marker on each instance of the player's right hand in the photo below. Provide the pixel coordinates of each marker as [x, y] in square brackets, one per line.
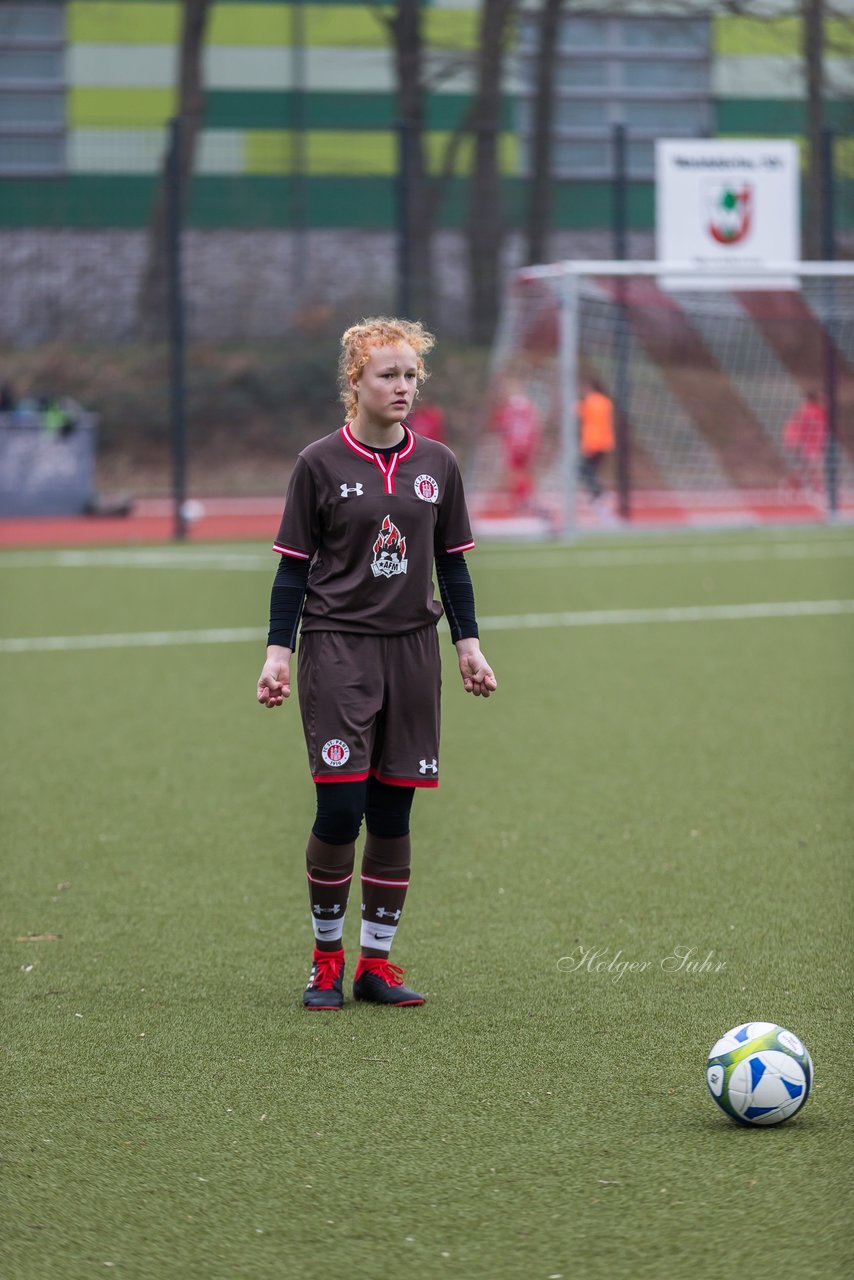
[274, 682]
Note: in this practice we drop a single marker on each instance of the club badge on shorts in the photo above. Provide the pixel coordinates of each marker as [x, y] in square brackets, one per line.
[389, 551]
[426, 488]
[335, 753]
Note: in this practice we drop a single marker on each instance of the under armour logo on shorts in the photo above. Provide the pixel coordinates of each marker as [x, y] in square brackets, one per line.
[429, 766]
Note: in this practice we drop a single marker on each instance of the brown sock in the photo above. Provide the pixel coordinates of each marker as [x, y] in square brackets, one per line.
[385, 879]
[330, 870]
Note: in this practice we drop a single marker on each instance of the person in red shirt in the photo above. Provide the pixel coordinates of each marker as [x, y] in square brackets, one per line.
[517, 419]
[428, 420]
[805, 440]
[371, 510]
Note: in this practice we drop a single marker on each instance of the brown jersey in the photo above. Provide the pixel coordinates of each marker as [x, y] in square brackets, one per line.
[370, 528]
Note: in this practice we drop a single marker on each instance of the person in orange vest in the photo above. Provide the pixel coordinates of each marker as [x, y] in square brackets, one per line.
[596, 420]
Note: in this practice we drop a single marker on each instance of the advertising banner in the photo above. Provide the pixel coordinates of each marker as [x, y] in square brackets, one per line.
[728, 203]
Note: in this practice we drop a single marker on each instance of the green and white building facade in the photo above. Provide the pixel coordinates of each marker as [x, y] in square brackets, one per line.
[304, 93]
[300, 133]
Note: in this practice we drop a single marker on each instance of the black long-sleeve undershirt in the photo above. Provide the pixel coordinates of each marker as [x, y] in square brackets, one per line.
[291, 582]
[457, 593]
[286, 600]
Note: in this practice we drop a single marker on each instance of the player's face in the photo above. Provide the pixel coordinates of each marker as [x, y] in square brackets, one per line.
[387, 386]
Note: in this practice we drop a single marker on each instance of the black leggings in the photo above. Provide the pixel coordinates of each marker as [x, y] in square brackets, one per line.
[342, 805]
[588, 474]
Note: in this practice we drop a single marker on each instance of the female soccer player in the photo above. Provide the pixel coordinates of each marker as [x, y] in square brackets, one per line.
[369, 510]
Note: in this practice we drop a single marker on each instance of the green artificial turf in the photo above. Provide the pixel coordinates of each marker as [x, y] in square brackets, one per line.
[634, 793]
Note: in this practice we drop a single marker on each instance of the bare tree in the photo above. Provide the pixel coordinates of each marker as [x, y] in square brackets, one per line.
[419, 70]
[416, 208]
[539, 207]
[151, 308]
[813, 15]
[812, 45]
[485, 218]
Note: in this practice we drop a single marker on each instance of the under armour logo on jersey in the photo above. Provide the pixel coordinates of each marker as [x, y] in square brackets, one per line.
[428, 766]
[347, 489]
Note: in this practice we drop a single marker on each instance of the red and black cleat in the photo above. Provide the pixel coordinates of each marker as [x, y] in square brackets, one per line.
[379, 982]
[325, 982]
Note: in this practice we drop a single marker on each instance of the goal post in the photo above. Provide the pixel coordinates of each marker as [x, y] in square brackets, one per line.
[646, 394]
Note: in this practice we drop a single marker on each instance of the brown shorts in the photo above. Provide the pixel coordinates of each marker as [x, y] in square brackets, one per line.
[370, 706]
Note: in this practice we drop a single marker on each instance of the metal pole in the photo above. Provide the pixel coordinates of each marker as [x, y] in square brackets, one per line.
[174, 218]
[619, 208]
[404, 245]
[828, 249]
[568, 398]
[622, 336]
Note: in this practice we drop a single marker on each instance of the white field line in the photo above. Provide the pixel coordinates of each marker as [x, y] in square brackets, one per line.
[621, 557]
[509, 622]
[676, 613]
[131, 640]
[139, 558]
[553, 558]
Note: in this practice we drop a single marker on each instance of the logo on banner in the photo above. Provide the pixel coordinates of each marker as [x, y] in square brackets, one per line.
[389, 551]
[335, 753]
[426, 488]
[729, 210]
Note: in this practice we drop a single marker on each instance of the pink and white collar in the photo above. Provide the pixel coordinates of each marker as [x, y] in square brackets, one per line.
[372, 455]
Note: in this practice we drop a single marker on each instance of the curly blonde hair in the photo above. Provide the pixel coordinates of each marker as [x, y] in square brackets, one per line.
[377, 331]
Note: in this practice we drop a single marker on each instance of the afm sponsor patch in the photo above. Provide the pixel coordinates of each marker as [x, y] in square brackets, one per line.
[389, 551]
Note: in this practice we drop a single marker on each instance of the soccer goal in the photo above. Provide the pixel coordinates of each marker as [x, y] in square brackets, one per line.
[653, 394]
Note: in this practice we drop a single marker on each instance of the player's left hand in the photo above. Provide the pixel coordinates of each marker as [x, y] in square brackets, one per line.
[478, 676]
[274, 682]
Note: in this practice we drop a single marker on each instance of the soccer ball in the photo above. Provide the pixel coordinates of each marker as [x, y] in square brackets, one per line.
[192, 510]
[759, 1073]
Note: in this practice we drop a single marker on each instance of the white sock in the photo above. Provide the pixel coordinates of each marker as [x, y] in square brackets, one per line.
[326, 930]
[377, 935]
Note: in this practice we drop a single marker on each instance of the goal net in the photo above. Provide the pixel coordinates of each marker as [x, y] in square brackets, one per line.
[629, 393]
